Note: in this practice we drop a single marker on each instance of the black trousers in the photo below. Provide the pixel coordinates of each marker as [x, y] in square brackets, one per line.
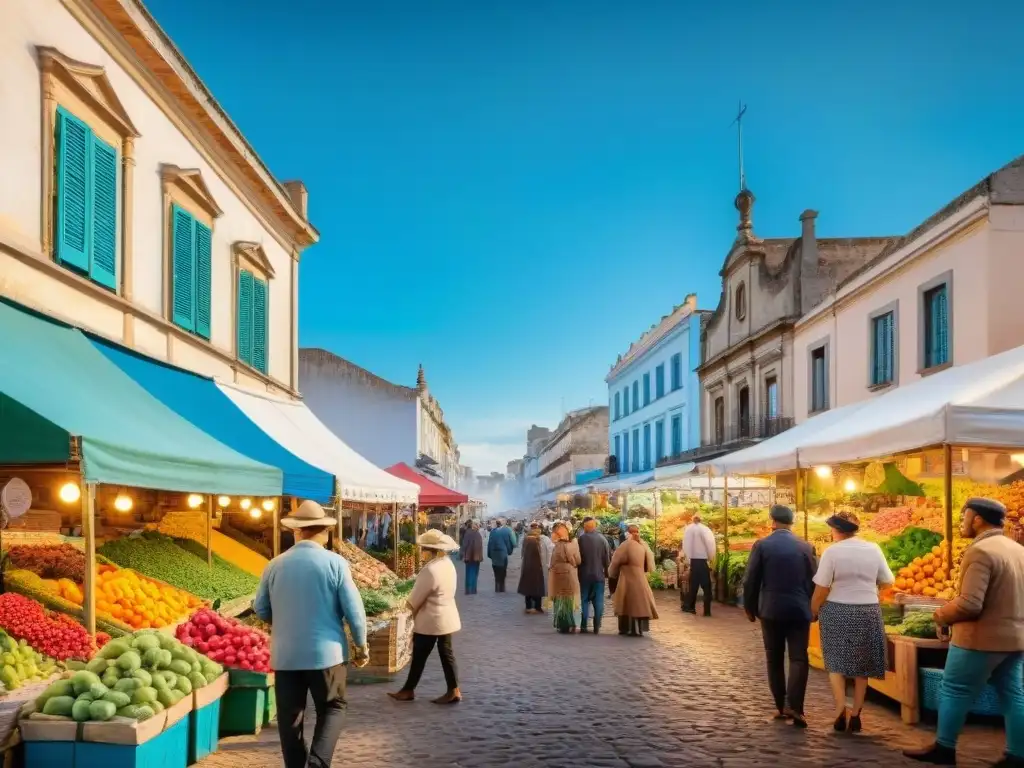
[327, 687]
[422, 645]
[499, 578]
[777, 636]
[700, 578]
[534, 603]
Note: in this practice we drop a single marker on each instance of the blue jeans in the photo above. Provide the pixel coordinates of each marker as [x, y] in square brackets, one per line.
[963, 680]
[472, 574]
[592, 592]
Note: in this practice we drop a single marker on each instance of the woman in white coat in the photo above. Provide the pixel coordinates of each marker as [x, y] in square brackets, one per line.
[435, 616]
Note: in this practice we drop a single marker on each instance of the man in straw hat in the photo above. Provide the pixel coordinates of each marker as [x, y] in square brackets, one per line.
[308, 595]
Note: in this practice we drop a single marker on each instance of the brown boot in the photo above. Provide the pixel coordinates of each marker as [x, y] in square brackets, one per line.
[453, 696]
[403, 696]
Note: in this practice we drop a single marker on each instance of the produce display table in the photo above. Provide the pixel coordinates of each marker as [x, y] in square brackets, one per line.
[901, 683]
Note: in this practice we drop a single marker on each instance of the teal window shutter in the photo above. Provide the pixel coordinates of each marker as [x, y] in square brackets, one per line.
[203, 278]
[74, 145]
[245, 293]
[103, 266]
[182, 269]
[259, 325]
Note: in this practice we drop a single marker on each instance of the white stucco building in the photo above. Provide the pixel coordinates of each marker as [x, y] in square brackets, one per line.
[387, 423]
[653, 393]
[945, 294]
[131, 205]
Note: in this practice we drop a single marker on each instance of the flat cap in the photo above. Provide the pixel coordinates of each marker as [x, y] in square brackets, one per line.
[989, 510]
[781, 514]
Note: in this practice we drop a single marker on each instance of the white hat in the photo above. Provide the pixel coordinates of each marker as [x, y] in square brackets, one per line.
[434, 539]
[308, 514]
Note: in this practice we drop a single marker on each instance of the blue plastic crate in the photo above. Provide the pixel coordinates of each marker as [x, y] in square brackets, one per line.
[931, 684]
[50, 754]
[168, 750]
[203, 731]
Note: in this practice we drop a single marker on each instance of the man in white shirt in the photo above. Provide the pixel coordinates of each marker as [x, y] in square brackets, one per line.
[700, 549]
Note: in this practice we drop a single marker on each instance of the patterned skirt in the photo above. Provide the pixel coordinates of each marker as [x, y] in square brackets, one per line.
[564, 613]
[853, 639]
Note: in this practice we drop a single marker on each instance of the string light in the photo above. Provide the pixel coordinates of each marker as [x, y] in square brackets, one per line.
[223, 501]
[255, 513]
[194, 500]
[245, 503]
[70, 493]
[823, 472]
[123, 503]
[849, 486]
[268, 505]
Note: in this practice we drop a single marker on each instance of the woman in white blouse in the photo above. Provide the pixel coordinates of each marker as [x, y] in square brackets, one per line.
[845, 604]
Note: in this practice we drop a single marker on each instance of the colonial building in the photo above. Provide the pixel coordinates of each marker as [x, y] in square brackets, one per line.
[579, 444]
[653, 393]
[748, 390]
[945, 294]
[387, 423]
[133, 207]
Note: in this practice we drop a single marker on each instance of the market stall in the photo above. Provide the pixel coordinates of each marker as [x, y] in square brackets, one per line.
[905, 462]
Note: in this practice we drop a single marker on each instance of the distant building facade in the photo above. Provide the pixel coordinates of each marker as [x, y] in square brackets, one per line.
[578, 444]
[653, 393]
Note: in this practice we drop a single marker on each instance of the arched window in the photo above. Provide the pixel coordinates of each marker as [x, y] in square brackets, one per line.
[740, 301]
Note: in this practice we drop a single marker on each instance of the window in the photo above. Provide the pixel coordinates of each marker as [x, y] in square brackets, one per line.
[191, 272]
[659, 381]
[624, 464]
[677, 434]
[659, 441]
[625, 401]
[771, 398]
[819, 378]
[618, 413]
[677, 371]
[636, 395]
[936, 326]
[636, 450]
[647, 447]
[86, 201]
[719, 420]
[647, 389]
[741, 301]
[252, 320]
[618, 448]
[744, 411]
[883, 348]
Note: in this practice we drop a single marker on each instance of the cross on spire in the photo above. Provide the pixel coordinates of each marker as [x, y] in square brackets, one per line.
[738, 122]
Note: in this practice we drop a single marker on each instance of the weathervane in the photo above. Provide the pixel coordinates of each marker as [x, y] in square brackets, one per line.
[738, 122]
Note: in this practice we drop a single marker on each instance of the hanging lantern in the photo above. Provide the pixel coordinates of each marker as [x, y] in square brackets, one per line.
[194, 500]
[245, 503]
[70, 493]
[123, 503]
[268, 505]
[223, 501]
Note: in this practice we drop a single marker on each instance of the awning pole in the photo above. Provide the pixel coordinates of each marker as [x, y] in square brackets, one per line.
[394, 532]
[723, 590]
[89, 534]
[947, 461]
[275, 531]
[415, 537]
[209, 531]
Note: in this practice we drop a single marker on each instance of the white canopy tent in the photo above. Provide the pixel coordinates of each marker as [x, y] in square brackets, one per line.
[298, 429]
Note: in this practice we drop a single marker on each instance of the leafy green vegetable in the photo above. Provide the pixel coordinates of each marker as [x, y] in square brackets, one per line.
[376, 602]
[918, 624]
[904, 548]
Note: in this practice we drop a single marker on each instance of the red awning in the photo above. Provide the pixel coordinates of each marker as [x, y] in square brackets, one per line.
[431, 494]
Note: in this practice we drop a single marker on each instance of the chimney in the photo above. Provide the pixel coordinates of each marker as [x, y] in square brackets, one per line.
[299, 196]
[808, 243]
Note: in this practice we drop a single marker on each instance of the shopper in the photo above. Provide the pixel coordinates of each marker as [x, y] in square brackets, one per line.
[563, 581]
[987, 623]
[632, 595]
[500, 544]
[308, 595]
[700, 550]
[846, 605]
[435, 617]
[595, 557]
[472, 550]
[777, 590]
[532, 574]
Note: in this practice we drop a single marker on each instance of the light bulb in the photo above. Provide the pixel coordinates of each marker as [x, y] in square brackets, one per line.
[823, 472]
[268, 505]
[255, 513]
[194, 500]
[245, 503]
[223, 501]
[123, 503]
[849, 486]
[70, 493]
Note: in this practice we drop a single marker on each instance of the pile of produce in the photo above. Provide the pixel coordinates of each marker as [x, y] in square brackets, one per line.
[22, 663]
[389, 597]
[190, 526]
[917, 624]
[49, 561]
[241, 537]
[133, 677]
[32, 586]
[368, 571]
[137, 601]
[182, 564]
[931, 575]
[890, 520]
[901, 550]
[52, 634]
[183, 524]
[254, 621]
[227, 641]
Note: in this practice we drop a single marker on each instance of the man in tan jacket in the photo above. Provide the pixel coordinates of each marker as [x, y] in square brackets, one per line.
[987, 621]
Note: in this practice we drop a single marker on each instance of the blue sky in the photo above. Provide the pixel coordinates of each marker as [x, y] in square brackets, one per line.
[512, 192]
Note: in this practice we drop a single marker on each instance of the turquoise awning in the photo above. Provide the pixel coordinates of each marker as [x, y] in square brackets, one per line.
[54, 385]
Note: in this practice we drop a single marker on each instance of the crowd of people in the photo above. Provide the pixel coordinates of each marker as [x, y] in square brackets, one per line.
[309, 596]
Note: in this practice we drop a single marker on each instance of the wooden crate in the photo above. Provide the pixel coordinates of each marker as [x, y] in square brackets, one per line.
[390, 643]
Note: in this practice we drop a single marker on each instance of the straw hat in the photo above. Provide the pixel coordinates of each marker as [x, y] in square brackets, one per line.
[308, 514]
[434, 539]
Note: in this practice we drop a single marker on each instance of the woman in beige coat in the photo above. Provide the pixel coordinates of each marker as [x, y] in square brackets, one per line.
[435, 616]
[563, 581]
[633, 597]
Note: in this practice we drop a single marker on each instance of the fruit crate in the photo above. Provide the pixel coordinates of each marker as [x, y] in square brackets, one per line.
[204, 720]
[390, 642]
[243, 709]
[169, 749]
[931, 683]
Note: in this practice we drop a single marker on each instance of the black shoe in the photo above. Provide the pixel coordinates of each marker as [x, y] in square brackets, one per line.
[840, 723]
[799, 721]
[692, 611]
[584, 630]
[935, 754]
[1009, 761]
[597, 628]
[707, 614]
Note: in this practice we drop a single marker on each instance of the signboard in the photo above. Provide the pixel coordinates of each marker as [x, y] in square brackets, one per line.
[16, 497]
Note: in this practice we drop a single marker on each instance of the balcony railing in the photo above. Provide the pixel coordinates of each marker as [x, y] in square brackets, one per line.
[748, 429]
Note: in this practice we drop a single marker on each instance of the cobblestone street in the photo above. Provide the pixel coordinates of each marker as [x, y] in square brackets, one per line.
[693, 694]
